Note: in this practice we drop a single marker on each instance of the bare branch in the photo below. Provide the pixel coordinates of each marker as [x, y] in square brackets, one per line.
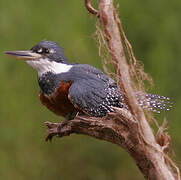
[109, 128]
[119, 128]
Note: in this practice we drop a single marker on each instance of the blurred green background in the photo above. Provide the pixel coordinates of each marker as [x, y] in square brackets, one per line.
[153, 28]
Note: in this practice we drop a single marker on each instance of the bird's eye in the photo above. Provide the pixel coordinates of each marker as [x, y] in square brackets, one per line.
[40, 50]
[46, 50]
[43, 51]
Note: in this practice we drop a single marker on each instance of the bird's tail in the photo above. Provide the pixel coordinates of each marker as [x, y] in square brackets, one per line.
[154, 102]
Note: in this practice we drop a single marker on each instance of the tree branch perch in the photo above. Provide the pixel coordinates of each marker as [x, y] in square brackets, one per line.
[128, 129]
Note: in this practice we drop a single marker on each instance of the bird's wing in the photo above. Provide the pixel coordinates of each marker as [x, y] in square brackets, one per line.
[89, 97]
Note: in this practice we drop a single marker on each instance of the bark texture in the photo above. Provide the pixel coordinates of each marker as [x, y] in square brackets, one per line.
[128, 129]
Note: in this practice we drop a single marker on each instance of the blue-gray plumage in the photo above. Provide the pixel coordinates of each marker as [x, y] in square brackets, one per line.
[70, 88]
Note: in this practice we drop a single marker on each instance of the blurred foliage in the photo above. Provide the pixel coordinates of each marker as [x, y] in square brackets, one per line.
[153, 28]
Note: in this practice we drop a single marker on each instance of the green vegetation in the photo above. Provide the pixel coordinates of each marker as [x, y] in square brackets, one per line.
[153, 28]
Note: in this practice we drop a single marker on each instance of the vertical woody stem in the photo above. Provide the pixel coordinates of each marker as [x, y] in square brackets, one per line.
[158, 169]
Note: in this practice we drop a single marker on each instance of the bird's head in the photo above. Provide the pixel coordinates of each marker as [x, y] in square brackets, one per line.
[44, 57]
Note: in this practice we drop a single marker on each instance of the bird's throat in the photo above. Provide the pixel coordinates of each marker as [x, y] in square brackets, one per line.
[45, 65]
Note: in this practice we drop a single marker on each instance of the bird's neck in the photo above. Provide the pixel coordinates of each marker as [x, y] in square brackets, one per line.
[44, 65]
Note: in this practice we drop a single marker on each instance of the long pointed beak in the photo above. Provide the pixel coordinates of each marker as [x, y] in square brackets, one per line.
[24, 55]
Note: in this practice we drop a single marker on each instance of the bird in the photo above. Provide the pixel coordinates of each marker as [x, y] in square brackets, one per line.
[68, 89]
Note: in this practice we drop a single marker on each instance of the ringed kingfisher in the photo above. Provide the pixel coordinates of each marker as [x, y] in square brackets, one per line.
[68, 89]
